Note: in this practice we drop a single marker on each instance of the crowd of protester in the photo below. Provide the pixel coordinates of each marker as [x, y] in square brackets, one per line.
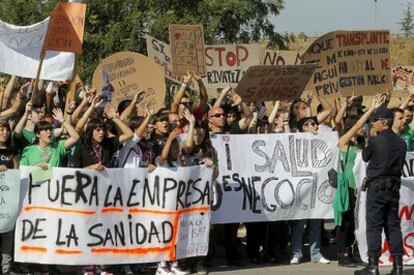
[43, 130]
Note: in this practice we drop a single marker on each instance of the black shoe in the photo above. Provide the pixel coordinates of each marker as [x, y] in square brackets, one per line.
[370, 269]
[397, 266]
[200, 269]
[346, 260]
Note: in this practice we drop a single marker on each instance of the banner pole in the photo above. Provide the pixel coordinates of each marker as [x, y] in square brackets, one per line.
[39, 69]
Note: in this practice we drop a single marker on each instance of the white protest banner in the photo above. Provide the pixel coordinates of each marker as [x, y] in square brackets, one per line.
[20, 48]
[227, 63]
[406, 213]
[9, 199]
[274, 177]
[350, 63]
[282, 58]
[117, 216]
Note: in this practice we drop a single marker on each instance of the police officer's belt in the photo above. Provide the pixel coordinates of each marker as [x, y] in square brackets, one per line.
[384, 184]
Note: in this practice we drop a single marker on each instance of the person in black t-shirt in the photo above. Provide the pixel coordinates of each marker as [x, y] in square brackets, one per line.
[8, 160]
[97, 149]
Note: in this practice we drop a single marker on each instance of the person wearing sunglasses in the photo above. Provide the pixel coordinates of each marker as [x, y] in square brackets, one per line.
[307, 125]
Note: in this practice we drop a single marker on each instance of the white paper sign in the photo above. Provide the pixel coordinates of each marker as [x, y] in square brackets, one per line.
[118, 216]
[274, 177]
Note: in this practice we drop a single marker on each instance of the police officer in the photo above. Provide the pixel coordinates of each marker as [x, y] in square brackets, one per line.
[386, 156]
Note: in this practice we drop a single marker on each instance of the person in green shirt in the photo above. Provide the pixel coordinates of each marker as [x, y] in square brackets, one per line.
[400, 127]
[45, 152]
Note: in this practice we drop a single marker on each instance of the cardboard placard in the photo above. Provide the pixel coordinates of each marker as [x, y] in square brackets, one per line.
[160, 53]
[282, 58]
[350, 62]
[187, 49]
[130, 72]
[403, 77]
[264, 83]
[227, 63]
[66, 26]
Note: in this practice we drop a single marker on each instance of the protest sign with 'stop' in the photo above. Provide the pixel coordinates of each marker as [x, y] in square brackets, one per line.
[118, 216]
[264, 83]
[275, 177]
[350, 62]
[226, 63]
[66, 26]
[187, 49]
[128, 73]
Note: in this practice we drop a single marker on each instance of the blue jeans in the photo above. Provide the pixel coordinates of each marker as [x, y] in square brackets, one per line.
[314, 239]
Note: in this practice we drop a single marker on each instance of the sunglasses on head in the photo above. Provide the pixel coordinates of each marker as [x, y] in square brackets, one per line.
[46, 129]
[217, 115]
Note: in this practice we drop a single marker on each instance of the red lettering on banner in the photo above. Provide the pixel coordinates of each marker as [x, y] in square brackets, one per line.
[407, 245]
[231, 58]
[405, 211]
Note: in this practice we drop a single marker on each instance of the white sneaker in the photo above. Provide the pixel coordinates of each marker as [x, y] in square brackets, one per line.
[295, 260]
[163, 271]
[178, 271]
[323, 260]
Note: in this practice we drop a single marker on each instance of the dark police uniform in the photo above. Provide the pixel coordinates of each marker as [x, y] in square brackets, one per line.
[386, 155]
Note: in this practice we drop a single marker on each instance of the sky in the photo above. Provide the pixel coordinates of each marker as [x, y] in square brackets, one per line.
[317, 17]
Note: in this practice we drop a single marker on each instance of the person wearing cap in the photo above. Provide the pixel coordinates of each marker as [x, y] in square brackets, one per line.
[386, 156]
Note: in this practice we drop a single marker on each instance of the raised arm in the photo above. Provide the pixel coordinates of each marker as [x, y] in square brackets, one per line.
[166, 149]
[221, 97]
[341, 112]
[8, 91]
[327, 109]
[344, 139]
[128, 110]
[17, 103]
[126, 132]
[139, 132]
[188, 143]
[273, 114]
[73, 134]
[22, 122]
[82, 122]
[203, 93]
[180, 93]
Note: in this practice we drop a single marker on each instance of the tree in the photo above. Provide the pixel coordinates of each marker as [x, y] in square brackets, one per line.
[407, 23]
[120, 25]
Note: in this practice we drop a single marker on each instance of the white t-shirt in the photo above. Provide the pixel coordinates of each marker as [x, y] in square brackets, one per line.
[130, 154]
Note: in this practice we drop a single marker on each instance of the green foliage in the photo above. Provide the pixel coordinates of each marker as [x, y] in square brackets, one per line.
[407, 23]
[120, 25]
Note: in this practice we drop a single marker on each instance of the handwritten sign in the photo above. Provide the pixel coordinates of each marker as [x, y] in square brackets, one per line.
[66, 26]
[9, 199]
[266, 83]
[187, 49]
[119, 216]
[286, 177]
[403, 77]
[160, 53]
[128, 73]
[226, 64]
[282, 58]
[350, 62]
